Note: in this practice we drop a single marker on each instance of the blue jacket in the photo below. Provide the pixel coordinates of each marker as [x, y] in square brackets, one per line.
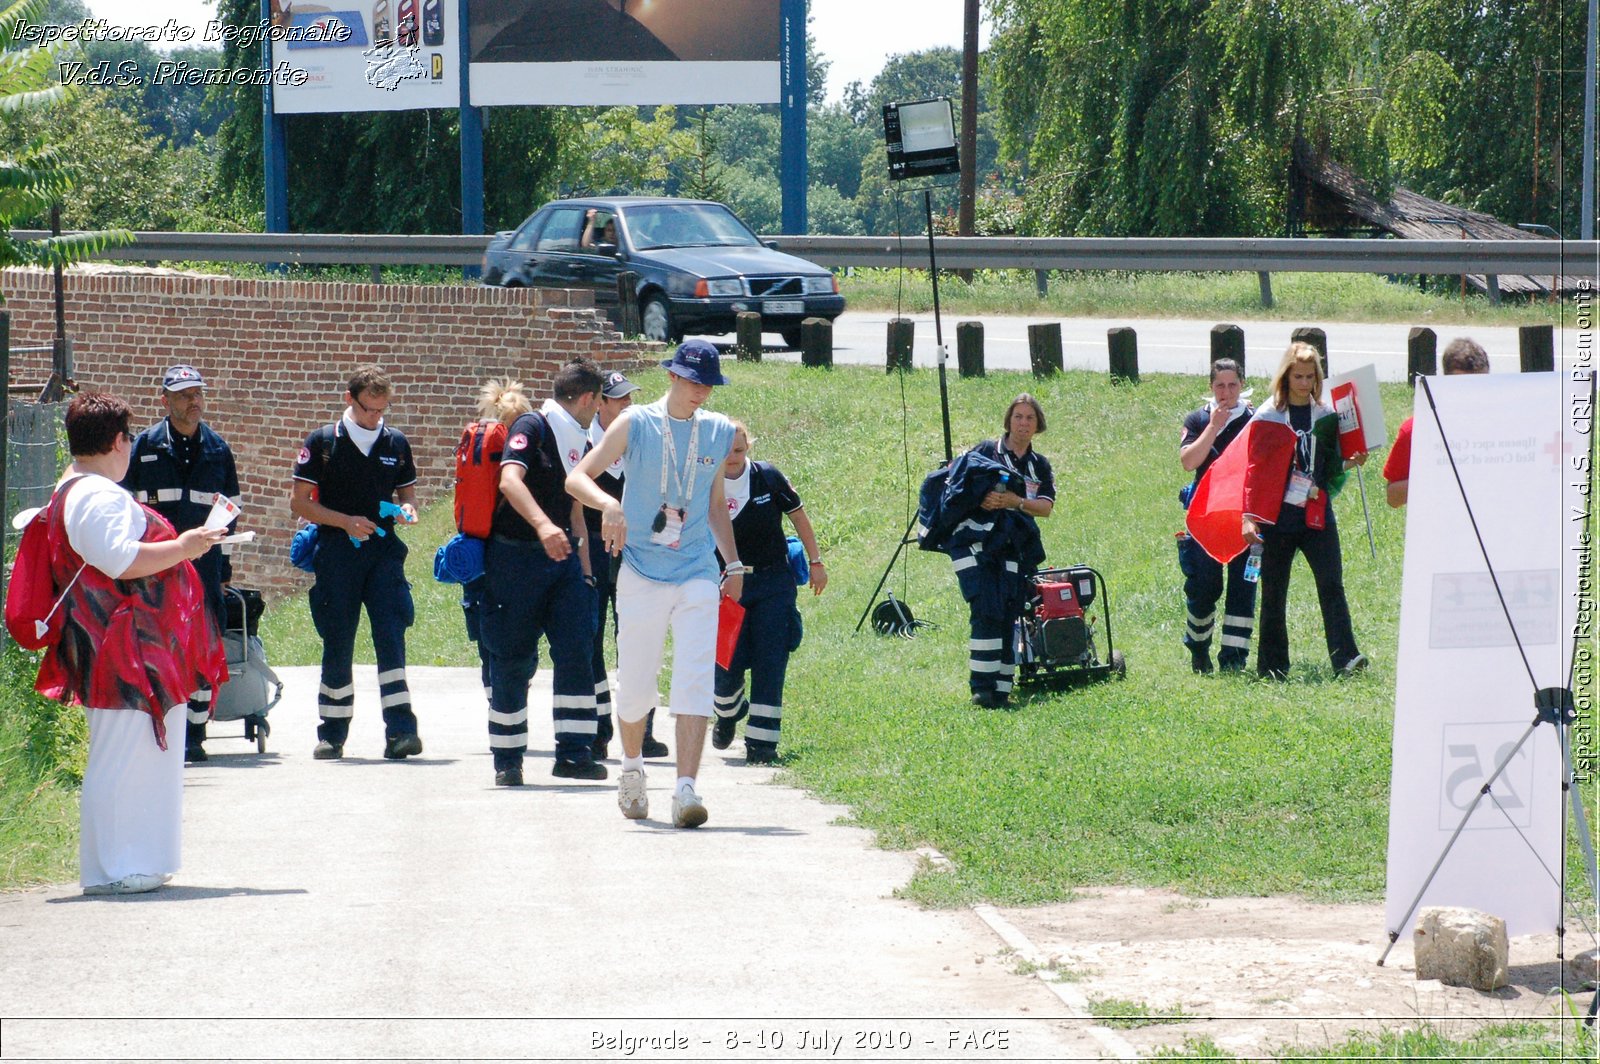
[155, 480]
[994, 551]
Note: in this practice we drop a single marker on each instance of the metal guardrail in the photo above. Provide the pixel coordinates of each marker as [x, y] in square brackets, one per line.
[1534, 257]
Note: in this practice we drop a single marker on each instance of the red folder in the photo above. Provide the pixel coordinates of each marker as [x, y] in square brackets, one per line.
[730, 618]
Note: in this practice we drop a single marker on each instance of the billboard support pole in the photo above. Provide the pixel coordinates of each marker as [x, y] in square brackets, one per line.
[471, 146]
[792, 169]
[274, 145]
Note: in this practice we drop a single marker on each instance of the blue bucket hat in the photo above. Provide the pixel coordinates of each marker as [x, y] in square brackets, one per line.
[698, 361]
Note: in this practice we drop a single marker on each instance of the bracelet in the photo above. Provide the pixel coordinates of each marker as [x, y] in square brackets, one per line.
[813, 561]
[735, 569]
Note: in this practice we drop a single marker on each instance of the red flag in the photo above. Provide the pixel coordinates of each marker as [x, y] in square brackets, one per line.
[730, 618]
[1248, 478]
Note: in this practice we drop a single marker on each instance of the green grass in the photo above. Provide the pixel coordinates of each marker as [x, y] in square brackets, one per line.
[1207, 296]
[1562, 1041]
[42, 750]
[1211, 785]
[1126, 1015]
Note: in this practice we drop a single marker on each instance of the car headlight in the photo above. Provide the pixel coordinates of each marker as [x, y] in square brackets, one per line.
[727, 287]
[820, 286]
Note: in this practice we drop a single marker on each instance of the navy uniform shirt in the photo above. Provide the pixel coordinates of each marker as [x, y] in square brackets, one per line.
[1195, 424]
[350, 482]
[1033, 468]
[758, 526]
[177, 476]
[531, 445]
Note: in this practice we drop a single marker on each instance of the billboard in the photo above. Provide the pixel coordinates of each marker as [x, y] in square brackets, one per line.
[624, 52]
[367, 55]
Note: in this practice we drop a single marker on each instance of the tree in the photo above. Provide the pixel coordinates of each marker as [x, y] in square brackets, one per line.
[37, 176]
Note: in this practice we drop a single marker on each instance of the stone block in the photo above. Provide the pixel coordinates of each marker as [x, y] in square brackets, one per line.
[1462, 947]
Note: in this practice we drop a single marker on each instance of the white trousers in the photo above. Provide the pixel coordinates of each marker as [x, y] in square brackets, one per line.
[645, 610]
[131, 808]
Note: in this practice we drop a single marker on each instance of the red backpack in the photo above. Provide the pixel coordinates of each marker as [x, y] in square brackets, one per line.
[33, 613]
[478, 476]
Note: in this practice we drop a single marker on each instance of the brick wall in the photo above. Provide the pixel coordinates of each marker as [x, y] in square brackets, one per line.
[276, 356]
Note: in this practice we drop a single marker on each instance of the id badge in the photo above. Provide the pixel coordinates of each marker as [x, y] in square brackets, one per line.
[667, 529]
[1032, 486]
[1299, 489]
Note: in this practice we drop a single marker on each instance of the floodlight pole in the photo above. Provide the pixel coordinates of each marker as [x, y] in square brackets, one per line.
[938, 329]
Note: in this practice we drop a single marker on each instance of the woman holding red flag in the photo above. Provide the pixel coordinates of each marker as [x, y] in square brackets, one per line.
[1292, 470]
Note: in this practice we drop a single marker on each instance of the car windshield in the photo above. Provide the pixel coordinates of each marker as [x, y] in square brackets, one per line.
[686, 225]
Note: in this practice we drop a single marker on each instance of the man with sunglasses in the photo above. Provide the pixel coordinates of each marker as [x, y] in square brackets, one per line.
[343, 474]
[177, 467]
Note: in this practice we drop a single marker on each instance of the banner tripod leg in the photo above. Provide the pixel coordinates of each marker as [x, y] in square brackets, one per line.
[1483, 792]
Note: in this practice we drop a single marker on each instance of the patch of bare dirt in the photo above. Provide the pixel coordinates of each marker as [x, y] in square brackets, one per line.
[1253, 974]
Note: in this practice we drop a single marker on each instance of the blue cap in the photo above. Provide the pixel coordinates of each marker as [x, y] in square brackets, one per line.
[698, 361]
[177, 378]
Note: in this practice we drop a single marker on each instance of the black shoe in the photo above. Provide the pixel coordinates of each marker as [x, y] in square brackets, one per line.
[600, 749]
[1230, 666]
[722, 731]
[992, 700]
[194, 755]
[760, 755]
[1280, 675]
[1200, 660]
[653, 748]
[508, 777]
[327, 751]
[400, 747]
[579, 770]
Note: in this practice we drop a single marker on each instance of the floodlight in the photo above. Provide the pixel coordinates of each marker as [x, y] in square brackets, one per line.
[921, 138]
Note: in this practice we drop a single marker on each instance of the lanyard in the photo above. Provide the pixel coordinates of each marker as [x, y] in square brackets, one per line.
[669, 455]
[1011, 464]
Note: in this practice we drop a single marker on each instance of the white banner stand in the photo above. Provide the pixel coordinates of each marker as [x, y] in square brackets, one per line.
[1488, 630]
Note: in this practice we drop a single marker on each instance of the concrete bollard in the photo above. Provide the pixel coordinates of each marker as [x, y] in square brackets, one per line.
[1310, 334]
[1122, 344]
[969, 348]
[1537, 344]
[1422, 354]
[747, 327]
[816, 343]
[1227, 341]
[1044, 348]
[902, 332]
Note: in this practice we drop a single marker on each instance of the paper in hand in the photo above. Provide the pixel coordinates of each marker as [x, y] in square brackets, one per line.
[223, 511]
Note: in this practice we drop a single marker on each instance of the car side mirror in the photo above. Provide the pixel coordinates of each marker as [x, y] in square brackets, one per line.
[771, 245]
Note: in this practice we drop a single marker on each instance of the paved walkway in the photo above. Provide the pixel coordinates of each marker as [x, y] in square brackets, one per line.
[412, 910]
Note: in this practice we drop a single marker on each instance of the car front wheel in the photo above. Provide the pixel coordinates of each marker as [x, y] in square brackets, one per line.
[791, 339]
[655, 318]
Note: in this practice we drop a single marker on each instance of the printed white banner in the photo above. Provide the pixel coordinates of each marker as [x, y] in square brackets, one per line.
[1464, 688]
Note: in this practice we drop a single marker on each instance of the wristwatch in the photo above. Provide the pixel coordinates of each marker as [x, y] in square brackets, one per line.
[813, 561]
[735, 569]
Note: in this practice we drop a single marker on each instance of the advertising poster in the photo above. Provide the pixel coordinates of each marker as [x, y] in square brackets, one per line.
[368, 55]
[624, 52]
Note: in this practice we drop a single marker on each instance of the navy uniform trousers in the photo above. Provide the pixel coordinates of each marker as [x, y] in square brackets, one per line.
[769, 634]
[991, 652]
[1202, 588]
[472, 593]
[529, 596]
[348, 578]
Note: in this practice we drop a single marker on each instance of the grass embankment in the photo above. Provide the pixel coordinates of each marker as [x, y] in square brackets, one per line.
[1214, 785]
[42, 751]
[1571, 1041]
[1206, 296]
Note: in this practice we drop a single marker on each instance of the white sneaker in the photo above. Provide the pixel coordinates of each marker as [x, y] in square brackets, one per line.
[631, 796]
[688, 811]
[134, 884]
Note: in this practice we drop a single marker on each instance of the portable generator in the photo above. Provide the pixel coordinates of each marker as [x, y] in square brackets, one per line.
[1056, 636]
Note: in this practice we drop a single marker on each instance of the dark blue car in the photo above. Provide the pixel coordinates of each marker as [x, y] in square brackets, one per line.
[698, 265]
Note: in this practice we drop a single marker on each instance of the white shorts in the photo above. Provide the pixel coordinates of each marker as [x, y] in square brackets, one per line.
[645, 609]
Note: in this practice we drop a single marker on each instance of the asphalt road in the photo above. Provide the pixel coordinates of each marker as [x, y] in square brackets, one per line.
[1166, 345]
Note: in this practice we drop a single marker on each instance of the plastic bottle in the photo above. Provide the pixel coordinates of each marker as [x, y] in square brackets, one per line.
[1252, 564]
